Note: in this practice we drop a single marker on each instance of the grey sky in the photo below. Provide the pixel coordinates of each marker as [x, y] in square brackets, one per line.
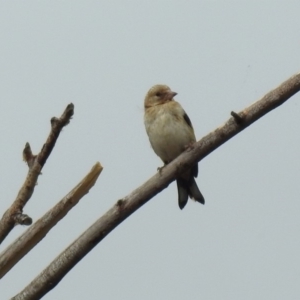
[218, 56]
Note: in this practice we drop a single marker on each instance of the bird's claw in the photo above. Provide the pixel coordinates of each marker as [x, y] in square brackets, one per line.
[159, 169]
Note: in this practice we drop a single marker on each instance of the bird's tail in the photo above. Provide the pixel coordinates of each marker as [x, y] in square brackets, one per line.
[188, 188]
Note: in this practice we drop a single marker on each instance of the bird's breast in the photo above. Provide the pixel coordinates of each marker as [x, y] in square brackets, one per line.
[168, 132]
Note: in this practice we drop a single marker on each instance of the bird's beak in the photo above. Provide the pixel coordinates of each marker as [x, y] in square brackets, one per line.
[170, 95]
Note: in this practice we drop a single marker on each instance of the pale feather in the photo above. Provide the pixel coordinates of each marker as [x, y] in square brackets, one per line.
[167, 129]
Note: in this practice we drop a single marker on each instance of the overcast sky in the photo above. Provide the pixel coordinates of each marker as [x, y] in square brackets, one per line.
[103, 56]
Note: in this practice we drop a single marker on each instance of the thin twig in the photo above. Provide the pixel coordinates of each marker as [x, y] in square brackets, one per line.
[14, 215]
[60, 266]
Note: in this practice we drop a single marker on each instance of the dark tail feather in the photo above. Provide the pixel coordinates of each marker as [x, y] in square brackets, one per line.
[194, 191]
[186, 189]
[183, 194]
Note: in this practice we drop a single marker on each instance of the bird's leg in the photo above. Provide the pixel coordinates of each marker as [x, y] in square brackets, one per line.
[159, 169]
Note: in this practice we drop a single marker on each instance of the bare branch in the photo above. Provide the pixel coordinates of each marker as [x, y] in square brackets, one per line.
[52, 275]
[32, 236]
[14, 215]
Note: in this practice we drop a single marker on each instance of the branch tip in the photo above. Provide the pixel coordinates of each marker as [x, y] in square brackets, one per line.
[54, 121]
[67, 114]
[238, 119]
[120, 203]
[28, 157]
[22, 219]
[27, 153]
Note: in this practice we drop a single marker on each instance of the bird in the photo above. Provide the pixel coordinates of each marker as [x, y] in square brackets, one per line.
[170, 132]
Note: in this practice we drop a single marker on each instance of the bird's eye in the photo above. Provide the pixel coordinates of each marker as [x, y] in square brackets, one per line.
[158, 94]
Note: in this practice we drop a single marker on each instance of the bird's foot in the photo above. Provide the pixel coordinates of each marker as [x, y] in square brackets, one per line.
[159, 169]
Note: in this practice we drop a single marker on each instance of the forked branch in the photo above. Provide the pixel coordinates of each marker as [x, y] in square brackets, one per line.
[14, 215]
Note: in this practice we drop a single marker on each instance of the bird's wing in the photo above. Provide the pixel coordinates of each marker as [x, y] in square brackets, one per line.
[187, 119]
[189, 123]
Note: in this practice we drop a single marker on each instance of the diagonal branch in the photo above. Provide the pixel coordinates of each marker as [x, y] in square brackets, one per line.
[14, 215]
[60, 266]
[35, 233]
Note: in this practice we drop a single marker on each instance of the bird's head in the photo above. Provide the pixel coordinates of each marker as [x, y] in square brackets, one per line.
[158, 94]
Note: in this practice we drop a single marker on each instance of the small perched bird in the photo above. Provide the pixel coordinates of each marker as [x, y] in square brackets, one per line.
[170, 132]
